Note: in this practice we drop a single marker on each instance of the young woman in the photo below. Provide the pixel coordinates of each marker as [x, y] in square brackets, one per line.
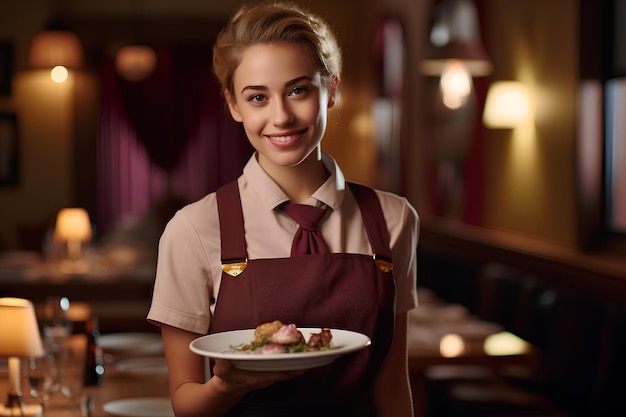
[279, 67]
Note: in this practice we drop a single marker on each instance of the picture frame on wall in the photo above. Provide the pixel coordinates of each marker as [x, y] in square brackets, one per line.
[9, 150]
[6, 67]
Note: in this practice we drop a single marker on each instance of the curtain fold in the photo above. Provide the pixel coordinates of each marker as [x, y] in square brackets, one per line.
[168, 138]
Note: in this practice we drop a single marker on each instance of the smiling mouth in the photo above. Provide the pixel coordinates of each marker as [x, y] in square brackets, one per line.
[285, 138]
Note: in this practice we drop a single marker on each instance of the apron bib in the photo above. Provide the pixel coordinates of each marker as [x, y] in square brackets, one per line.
[335, 290]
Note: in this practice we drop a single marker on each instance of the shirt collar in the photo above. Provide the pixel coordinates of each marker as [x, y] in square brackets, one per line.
[333, 190]
[331, 193]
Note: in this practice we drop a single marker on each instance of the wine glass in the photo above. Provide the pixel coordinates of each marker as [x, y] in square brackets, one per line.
[57, 325]
[43, 377]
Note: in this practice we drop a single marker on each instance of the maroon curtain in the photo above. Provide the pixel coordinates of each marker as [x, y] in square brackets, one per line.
[165, 108]
[166, 138]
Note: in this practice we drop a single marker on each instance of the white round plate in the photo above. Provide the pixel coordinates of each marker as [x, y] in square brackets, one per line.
[131, 342]
[218, 346]
[140, 407]
[142, 366]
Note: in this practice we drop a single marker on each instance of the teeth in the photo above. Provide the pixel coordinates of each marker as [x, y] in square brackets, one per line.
[283, 138]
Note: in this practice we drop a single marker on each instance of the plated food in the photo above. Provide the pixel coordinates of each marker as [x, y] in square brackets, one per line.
[232, 346]
[276, 337]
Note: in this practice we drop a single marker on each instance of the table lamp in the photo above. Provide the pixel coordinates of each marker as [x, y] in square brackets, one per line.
[74, 228]
[19, 337]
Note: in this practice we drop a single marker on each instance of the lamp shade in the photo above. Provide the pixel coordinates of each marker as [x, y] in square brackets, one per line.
[455, 34]
[507, 105]
[50, 48]
[19, 331]
[72, 224]
[135, 62]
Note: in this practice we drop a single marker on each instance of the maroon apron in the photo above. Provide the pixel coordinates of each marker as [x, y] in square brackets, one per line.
[336, 290]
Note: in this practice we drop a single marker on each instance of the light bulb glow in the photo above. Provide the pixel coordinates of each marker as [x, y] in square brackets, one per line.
[59, 74]
[135, 62]
[451, 345]
[455, 85]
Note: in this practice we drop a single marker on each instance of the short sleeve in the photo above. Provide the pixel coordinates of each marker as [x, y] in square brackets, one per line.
[403, 224]
[182, 272]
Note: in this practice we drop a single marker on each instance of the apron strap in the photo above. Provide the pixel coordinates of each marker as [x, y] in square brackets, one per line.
[373, 218]
[234, 255]
[232, 234]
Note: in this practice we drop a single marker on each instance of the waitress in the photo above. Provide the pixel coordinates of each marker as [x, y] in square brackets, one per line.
[289, 240]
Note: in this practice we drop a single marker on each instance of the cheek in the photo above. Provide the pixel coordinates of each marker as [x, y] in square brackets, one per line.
[252, 121]
[319, 113]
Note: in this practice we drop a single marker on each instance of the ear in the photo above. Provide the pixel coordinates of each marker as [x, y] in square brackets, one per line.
[333, 87]
[232, 106]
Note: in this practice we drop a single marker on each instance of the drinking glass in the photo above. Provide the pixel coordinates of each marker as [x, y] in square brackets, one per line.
[57, 325]
[72, 372]
[43, 377]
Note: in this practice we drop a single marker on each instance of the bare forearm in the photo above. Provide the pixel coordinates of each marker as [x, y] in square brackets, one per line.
[207, 400]
[392, 391]
[394, 400]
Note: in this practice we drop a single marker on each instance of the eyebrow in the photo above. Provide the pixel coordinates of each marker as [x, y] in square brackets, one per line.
[287, 84]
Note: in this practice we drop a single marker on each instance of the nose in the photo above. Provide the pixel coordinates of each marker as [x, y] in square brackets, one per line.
[281, 113]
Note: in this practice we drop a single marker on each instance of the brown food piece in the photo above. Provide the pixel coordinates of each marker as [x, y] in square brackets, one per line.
[266, 330]
[321, 339]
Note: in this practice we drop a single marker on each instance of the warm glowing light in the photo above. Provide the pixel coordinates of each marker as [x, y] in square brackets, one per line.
[455, 84]
[74, 227]
[56, 47]
[362, 124]
[507, 105]
[135, 62]
[59, 74]
[451, 345]
[505, 344]
[20, 338]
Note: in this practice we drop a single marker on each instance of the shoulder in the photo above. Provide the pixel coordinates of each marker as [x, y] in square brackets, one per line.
[389, 201]
[198, 212]
[392, 201]
[400, 215]
[198, 218]
[395, 203]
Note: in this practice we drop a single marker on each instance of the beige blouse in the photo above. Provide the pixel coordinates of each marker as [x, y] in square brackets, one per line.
[189, 268]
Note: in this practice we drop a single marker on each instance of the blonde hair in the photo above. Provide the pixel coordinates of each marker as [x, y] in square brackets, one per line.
[273, 22]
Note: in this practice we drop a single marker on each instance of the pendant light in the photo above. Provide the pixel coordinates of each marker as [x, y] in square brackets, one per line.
[135, 61]
[57, 49]
[455, 34]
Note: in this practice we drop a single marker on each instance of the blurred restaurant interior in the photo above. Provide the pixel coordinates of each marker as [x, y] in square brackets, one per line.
[522, 203]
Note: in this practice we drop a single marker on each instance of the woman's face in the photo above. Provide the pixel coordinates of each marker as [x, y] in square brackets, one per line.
[282, 101]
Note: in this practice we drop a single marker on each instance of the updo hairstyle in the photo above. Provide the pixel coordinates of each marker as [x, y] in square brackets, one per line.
[273, 22]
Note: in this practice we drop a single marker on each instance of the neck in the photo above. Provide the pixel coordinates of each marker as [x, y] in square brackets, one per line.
[300, 181]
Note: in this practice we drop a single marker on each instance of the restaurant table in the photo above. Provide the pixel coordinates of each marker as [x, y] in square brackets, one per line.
[446, 337]
[119, 382]
[116, 275]
[117, 284]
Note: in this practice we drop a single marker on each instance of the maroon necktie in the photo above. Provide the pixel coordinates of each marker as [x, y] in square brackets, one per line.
[308, 239]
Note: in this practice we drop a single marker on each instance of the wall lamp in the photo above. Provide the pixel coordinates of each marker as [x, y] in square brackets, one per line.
[508, 105]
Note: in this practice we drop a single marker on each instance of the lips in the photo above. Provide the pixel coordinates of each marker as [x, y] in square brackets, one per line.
[283, 139]
[286, 138]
